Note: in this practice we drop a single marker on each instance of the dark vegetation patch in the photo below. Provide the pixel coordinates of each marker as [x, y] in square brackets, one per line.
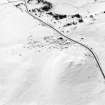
[76, 16]
[68, 24]
[74, 22]
[57, 16]
[80, 20]
[71, 23]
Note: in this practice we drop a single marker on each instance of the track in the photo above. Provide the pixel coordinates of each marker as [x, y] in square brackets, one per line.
[86, 47]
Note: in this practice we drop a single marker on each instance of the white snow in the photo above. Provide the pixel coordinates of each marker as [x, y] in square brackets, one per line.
[44, 75]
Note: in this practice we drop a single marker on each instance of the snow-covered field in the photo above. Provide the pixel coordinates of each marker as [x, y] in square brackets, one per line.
[38, 66]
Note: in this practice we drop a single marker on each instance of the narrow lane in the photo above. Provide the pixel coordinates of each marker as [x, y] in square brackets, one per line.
[90, 49]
